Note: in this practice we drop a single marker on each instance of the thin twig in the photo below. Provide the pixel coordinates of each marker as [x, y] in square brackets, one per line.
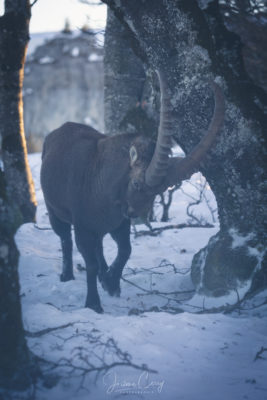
[157, 292]
[259, 353]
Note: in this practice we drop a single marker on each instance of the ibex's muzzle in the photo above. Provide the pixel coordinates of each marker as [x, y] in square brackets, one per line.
[131, 213]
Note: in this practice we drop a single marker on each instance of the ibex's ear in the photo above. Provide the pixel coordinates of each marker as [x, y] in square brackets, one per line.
[133, 155]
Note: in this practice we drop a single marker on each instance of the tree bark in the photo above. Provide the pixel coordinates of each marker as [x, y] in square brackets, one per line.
[17, 199]
[129, 104]
[14, 28]
[192, 46]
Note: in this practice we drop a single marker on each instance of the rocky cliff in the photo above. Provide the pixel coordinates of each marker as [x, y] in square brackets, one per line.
[63, 82]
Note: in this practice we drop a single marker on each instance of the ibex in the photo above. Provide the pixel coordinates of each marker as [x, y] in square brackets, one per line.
[97, 183]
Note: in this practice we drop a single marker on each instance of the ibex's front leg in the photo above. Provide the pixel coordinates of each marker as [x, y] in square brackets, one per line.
[102, 264]
[121, 235]
[87, 242]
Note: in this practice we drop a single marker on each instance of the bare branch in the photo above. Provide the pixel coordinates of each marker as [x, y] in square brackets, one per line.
[91, 359]
[166, 201]
[157, 231]
[201, 191]
[259, 354]
[34, 1]
[48, 330]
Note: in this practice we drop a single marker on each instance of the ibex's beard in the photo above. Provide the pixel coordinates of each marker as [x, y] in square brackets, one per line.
[127, 211]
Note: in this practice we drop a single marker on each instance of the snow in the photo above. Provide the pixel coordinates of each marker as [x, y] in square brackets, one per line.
[46, 60]
[158, 319]
[75, 51]
[93, 57]
[27, 92]
[38, 39]
[88, 120]
[240, 240]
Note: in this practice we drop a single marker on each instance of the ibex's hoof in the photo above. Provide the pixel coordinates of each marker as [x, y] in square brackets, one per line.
[66, 278]
[101, 277]
[115, 292]
[95, 307]
[104, 285]
[112, 288]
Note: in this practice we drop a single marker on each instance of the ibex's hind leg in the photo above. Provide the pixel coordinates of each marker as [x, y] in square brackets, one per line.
[63, 230]
[102, 264]
[121, 235]
[86, 243]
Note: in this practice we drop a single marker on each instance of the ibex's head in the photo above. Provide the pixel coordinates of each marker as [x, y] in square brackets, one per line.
[139, 195]
[152, 170]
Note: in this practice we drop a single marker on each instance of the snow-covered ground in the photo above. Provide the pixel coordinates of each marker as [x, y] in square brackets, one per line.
[158, 320]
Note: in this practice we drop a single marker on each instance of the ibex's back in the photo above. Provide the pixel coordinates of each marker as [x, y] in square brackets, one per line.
[83, 176]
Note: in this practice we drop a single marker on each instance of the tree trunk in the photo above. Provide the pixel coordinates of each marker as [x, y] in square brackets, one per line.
[17, 201]
[130, 105]
[16, 364]
[128, 100]
[192, 46]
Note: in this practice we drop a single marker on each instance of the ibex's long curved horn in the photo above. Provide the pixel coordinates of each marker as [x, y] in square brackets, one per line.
[159, 164]
[181, 168]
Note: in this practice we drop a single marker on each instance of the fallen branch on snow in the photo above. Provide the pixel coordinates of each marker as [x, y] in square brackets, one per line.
[98, 356]
[157, 231]
[49, 330]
